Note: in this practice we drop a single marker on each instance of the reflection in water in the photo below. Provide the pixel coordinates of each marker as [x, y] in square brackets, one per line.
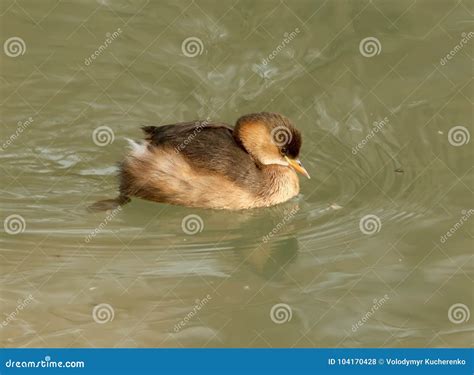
[272, 248]
[271, 260]
[386, 136]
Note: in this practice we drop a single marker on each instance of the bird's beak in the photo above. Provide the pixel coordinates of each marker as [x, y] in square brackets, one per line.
[297, 166]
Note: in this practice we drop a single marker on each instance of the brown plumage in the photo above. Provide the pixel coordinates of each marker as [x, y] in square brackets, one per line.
[212, 165]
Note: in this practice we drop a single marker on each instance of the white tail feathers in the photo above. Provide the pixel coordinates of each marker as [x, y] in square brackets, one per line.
[137, 148]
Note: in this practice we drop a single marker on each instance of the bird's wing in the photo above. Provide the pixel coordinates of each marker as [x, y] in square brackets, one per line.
[209, 147]
[176, 133]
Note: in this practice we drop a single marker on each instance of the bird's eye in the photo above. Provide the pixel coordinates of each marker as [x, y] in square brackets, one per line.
[283, 151]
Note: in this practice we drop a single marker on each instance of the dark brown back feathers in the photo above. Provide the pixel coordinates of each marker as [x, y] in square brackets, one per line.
[207, 146]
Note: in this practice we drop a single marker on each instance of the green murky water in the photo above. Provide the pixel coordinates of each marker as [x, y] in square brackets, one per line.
[361, 258]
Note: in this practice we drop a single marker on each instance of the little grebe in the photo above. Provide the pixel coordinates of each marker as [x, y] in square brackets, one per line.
[212, 165]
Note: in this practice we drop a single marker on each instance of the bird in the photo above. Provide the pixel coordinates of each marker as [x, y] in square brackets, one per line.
[213, 165]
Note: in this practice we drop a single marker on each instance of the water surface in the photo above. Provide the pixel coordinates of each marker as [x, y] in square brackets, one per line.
[357, 259]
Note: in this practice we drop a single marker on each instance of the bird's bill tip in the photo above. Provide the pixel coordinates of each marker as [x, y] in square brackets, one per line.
[298, 167]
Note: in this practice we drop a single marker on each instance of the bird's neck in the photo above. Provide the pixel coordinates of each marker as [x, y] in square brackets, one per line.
[280, 184]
